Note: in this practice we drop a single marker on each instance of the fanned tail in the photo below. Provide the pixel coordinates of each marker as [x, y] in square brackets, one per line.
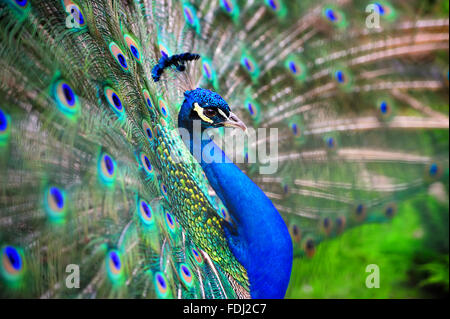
[86, 187]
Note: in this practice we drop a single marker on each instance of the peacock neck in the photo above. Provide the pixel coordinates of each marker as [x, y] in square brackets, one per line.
[257, 235]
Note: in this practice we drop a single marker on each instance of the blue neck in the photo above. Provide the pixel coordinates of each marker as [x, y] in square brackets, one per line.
[258, 237]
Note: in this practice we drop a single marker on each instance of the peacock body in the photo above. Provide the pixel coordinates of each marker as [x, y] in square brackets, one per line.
[96, 176]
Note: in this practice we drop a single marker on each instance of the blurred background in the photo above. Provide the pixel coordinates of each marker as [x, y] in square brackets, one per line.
[412, 256]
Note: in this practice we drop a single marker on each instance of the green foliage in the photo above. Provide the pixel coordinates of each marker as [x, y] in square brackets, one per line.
[445, 6]
[411, 252]
[438, 272]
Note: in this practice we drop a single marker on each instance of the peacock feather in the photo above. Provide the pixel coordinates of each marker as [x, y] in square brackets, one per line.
[96, 172]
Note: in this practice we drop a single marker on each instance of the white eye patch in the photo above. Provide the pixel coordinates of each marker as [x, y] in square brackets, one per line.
[222, 113]
[199, 110]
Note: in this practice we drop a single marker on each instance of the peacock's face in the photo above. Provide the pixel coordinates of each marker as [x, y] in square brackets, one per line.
[209, 108]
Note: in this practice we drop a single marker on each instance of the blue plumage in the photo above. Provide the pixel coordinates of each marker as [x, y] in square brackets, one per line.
[257, 235]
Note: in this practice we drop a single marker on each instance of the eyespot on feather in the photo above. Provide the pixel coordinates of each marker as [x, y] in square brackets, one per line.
[163, 189]
[114, 101]
[390, 210]
[170, 222]
[161, 285]
[5, 127]
[147, 130]
[197, 256]
[145, 212]
[186, 275]
[115, 267]
[12, 265]
[107, 169]
[309, 247]
[296, 233]
[433, 172]
[79, 20]
[148, 101]
[335, 16]
[133, 47]
[55, 204]
[340, 224]
[21, 6]
[146, 164]
[119, 56]
[360, 212]
[65, 98]
[326, 225]
[163, 108]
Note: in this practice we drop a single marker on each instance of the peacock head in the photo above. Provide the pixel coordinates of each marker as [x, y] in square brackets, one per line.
[209, 108]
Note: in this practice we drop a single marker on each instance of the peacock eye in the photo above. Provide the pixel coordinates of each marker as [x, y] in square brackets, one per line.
[76, 13]
[134, 47]
[12, 263]
[114, 266]
[210, 112]
[65, 97]
[55, 203]
[21, 3]
[119, 56]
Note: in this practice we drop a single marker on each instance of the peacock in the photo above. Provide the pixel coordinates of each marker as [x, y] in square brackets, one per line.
[117, 178]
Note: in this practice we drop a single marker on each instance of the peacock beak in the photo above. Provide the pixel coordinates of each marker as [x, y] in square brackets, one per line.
[234, 121]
